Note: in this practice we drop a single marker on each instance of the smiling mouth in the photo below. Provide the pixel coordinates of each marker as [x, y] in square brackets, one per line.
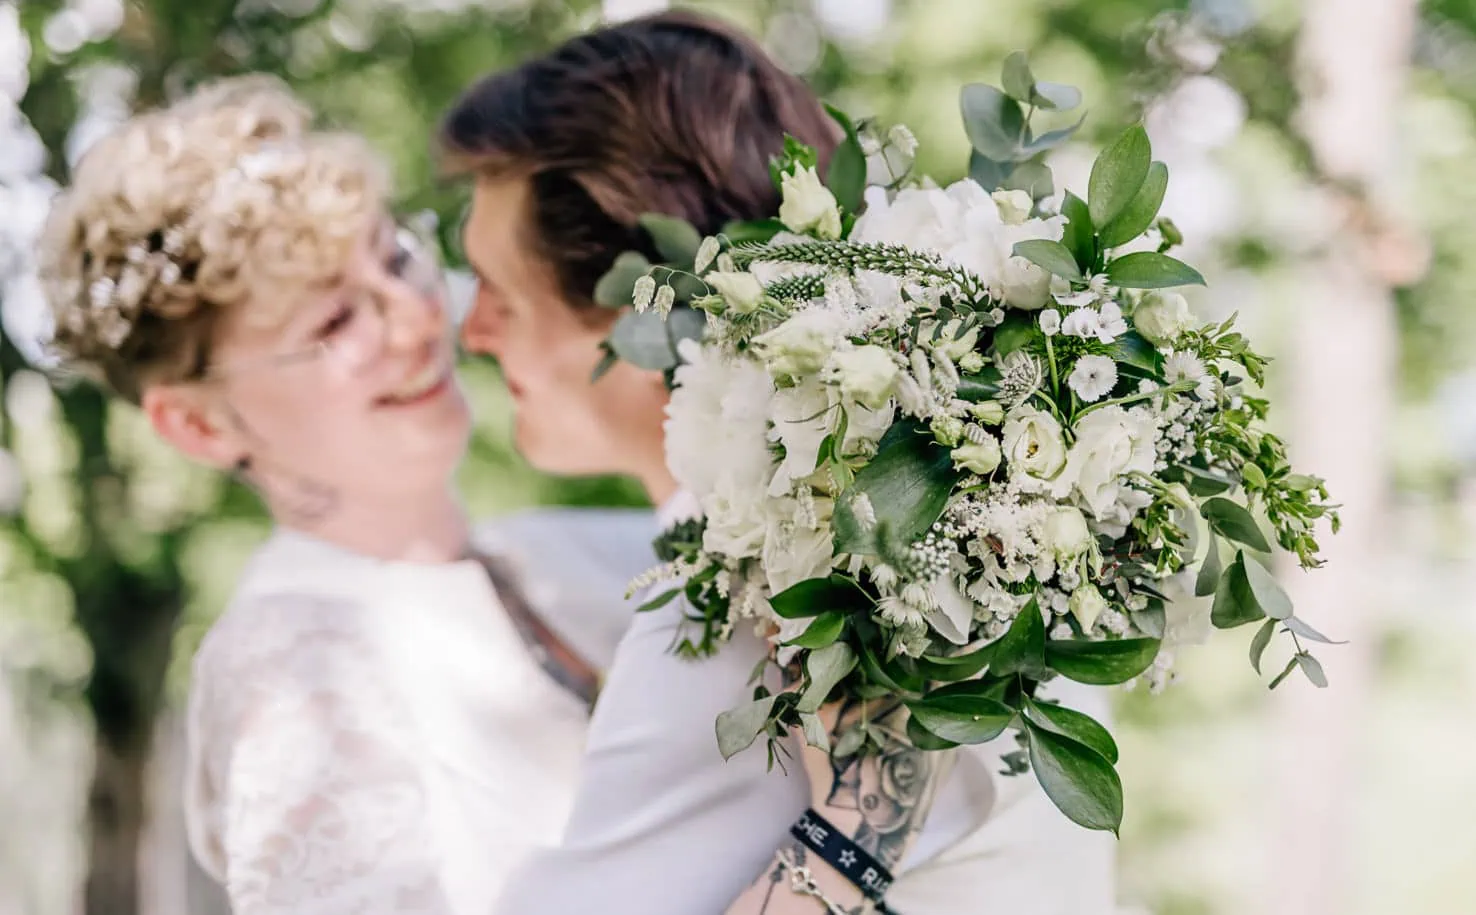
[430, 381]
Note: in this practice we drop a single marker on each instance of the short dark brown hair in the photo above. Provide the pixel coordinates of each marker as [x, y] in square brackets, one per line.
[674, 113]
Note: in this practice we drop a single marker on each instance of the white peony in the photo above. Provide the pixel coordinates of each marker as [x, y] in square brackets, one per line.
[717, 421]
[802, 344]
[1065, 533]
[1110, 442]
[1024, 284]
[742, 291]
[736, 522]
[808, 205]
[866, 374]
[1033, 443]
[1163, 317]
[1093, 377]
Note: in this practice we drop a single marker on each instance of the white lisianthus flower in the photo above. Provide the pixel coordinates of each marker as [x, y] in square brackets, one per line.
[808, 205]
[794, 550]
[988, 412]
[802, 418]
[1033, 443]
[717, 421]
[1050, 322]
[1163, 317]
[1093, 377]
[801, 345]
[866, 375]
[1065, 533]
[1086, 322]
[1087, 604]
[1014, 206]
[980, 457]
[1025, 284]
[741, 291]
[955, 349]
[1110, 442]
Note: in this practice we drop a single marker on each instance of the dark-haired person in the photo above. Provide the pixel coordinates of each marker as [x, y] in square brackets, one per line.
[679, 114]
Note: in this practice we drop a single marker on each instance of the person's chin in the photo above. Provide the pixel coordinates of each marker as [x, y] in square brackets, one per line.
[547, 454]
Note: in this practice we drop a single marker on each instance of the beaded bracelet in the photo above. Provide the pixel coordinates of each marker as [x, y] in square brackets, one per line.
[801, 881]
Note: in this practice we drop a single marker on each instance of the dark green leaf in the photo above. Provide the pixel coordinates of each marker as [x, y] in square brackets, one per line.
[640, 338]
[846, 176]
[1313, 669]
[1022, 648]
[1285, 672]
[1231, 520]
[616, 289]
[826, 666]
[1017, 330]
[1078, 237]
[1052, 255]
[1117, 175]
[760, 231]
[659, 601]
[1032, 177]
[875, 674]
[1234, 605]
[1131, 349]
[986, 172]
[826, 628]
[676, 240]
[1056, 96]
[1203, 482]
[1209, 570]
[1307, 632]
[1139, 214]
[685, 324]
[738, 728]
[958, 667]
[1260, 643]
[1078, 780]
[1018, 81]
[1076, 725]
[983, 386]
[1151, 270]
[815, 596]
[1101, 663]
[606, 363]
[962, 719]
[908, 484]
[924, 739]
[993, 121]
[1267, 591]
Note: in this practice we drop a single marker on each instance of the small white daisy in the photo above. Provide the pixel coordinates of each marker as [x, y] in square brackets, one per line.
[1093, 377]
[1182, 366]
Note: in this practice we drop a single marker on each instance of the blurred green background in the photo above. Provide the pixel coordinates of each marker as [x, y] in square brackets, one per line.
[1324, 170]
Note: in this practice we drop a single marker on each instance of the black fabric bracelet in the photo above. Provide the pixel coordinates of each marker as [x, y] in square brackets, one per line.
[849, 859]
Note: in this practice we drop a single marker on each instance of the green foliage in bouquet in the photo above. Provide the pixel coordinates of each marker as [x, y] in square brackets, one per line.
[1022, 441]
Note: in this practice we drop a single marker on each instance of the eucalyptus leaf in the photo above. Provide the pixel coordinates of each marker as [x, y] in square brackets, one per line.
[986, 172]
[1022, 648]
[676, 239]
[826, 666]
[1313, 669]
[1234, 605]
[1261, 641]
[1139, 214]
[1078, 780]
[814, 731]
[1152, 621]
[993, 121]
[738, 728]
[1209, 570]
[1151, 270]
[1052, 255]
[1076, 725]
[1101, 663]
[1117, 174]
[1296, 625]
[849, 742]
[1017, 79]
[1032, 177]
[962, 719]
[640, 338]
[1055, 96]
[616, 289]
[1203, 482]
[685, 324]
[1050, 139]
[1079, 237]
[826, 628]
[815, 596]
[1232, 521]
[1267, 591]
[908, 483]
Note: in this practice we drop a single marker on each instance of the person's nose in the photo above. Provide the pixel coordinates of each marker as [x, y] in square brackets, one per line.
[482, 331]
[412, 317]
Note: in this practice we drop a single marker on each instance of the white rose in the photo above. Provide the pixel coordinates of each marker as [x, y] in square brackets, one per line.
[793, 550]
[1066, 534]
[866, 375]
[1014, 206]
[1163, 317]
[1086, 605]
[1033, 443]
[742, 291]
[801, 345]
[1025, 285]
[978, 457]
[809, 205]
[1110, 443]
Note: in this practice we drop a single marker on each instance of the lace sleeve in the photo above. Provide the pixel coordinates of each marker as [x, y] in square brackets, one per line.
[319, 807]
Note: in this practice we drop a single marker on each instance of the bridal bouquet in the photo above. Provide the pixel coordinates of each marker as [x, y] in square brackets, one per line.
[953, 442]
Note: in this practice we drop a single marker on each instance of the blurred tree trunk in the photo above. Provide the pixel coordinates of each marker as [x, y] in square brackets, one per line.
[1342, 378]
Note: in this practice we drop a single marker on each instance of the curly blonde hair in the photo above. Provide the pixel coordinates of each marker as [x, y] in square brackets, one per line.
[189, 211]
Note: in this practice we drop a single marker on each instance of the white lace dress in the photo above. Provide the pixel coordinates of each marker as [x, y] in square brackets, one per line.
[373, 737]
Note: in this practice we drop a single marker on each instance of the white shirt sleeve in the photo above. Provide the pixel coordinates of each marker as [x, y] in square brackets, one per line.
[307, 796]
[661, 824]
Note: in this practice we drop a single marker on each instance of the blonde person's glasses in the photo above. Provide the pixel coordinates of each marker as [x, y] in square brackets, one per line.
[357, 334]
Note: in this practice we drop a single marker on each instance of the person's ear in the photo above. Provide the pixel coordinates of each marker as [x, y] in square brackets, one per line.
[194, 423]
